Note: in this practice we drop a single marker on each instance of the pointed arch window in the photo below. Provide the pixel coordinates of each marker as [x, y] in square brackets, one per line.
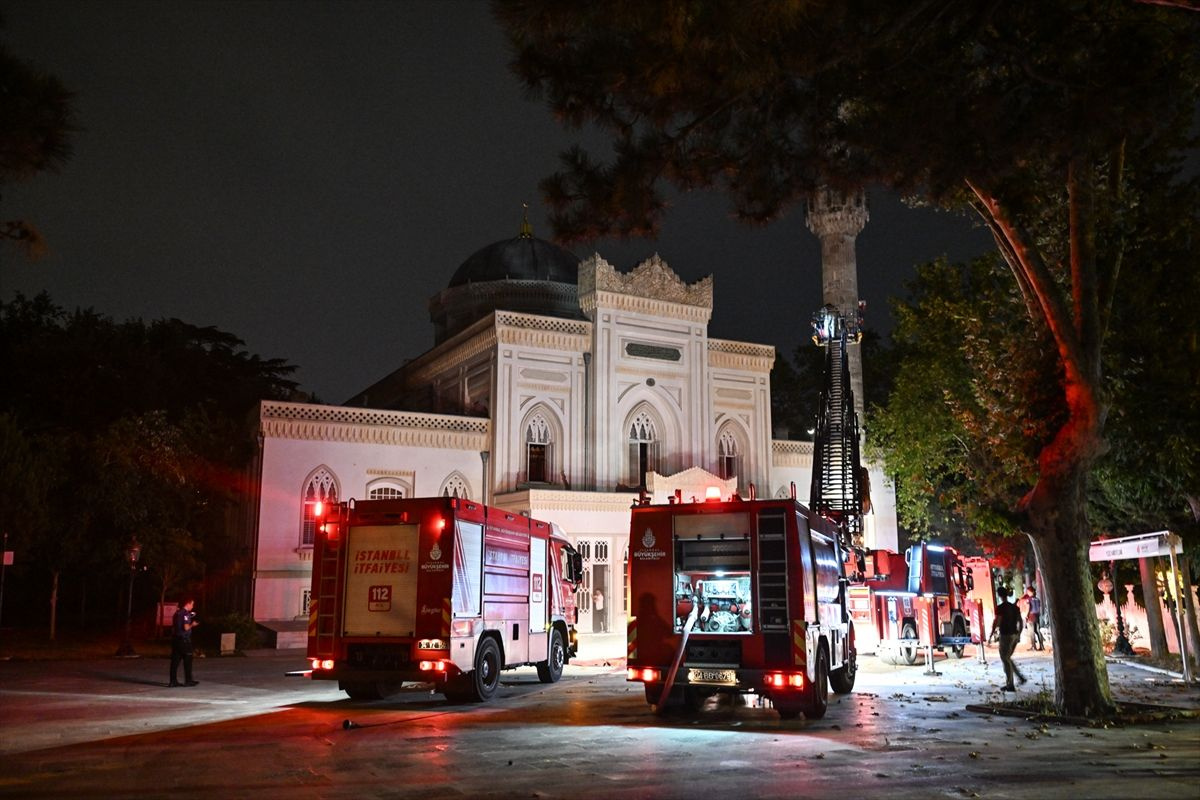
[321, 488]
[729, 455]
[538, 443]
[643, 448]
[455, 486]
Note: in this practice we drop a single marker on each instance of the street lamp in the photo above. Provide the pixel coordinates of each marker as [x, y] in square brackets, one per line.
[133, 551]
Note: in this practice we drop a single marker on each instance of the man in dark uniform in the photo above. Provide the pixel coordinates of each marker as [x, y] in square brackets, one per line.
[1008, 623]
[181, 643]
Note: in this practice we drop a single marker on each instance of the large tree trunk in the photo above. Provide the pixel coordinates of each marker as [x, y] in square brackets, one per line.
[1058, 522]
[1154, 621]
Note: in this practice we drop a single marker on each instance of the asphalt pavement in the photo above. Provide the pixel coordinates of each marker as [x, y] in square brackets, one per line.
[112, 728]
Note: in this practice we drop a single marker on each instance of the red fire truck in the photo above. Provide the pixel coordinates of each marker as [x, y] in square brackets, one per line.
[438, 590]
[738, 596]
[924, 598]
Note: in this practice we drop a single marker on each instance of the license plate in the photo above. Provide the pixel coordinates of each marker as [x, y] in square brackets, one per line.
[726, 677]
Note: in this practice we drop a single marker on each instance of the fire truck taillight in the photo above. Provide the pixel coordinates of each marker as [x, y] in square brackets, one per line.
[643, 674]
[785, 680]
[432, 666]
[322, 663]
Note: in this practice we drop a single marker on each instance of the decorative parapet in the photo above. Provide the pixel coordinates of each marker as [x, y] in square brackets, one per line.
[651, 288]
[552, 333]
[787, 453]
[726, 354]
[279, 420]
[537, 501]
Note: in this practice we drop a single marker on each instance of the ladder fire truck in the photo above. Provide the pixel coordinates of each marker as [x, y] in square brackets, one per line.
[930, 598]
[747, 596]
[438, 590]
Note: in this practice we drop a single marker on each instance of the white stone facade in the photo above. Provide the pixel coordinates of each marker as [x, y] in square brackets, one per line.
[570, 416]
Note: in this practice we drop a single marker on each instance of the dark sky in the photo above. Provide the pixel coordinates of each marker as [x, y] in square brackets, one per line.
[306, 175]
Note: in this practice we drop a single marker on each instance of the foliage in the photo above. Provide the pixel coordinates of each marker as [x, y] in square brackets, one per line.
[973, 402]
[140, 429]
[36, 126]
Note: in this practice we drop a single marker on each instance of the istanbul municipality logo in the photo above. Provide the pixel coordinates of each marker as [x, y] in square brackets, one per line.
[648, 553]
[435, 552]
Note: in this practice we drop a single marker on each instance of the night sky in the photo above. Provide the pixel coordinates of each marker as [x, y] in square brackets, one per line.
[306, 175]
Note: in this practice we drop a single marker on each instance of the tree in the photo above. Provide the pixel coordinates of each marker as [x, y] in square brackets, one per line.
[1026, 111]
[143, 429]
[973, 403]
[36, 124]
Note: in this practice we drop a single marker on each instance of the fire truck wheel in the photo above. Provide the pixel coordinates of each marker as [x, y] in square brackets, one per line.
[960, 629]
[908, 649]
[818, 698]
[484, 680]
[841, 680]
[550, 670]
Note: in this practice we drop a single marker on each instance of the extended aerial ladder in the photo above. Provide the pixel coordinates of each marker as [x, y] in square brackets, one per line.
[837, 490]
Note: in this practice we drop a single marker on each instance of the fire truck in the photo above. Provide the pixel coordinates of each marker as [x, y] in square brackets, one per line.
[438, 590]
[740, 596]
[924, 600]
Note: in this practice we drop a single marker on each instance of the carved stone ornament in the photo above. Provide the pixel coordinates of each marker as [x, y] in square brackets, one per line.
[651, 279]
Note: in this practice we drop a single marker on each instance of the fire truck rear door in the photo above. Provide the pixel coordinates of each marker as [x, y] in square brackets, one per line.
[381, 581]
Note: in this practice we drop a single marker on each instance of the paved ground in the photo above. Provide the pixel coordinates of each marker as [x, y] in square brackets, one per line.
[112, 729]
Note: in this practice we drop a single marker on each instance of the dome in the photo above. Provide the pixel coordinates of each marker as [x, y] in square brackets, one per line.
[523, 258]
[524, 274]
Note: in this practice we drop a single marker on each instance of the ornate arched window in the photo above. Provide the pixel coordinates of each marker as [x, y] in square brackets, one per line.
[729, 454]
[455, 486]
[538, 442]
[643, 447]
[321, 488]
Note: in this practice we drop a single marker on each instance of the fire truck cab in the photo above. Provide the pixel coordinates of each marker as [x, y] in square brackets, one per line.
[438, 590]
[740, 597]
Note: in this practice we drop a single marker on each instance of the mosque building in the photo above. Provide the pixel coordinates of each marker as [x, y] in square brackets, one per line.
[556, 388]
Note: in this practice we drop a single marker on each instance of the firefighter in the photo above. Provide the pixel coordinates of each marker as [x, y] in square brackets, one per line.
[1008, 623]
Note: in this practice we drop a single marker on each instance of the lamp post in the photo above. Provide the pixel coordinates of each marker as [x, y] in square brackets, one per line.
[133, 551]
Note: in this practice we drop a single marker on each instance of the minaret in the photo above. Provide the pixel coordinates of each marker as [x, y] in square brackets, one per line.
[837, 218]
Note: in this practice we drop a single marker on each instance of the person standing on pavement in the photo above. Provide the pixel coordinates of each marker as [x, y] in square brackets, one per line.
[181, 643]
[1008, 623]
[1033, 613]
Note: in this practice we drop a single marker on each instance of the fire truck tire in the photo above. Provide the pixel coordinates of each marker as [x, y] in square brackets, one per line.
[841, 680]
[959, 629]
[908, 651]
[481, 683]
[818, 695]
[550, 670]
